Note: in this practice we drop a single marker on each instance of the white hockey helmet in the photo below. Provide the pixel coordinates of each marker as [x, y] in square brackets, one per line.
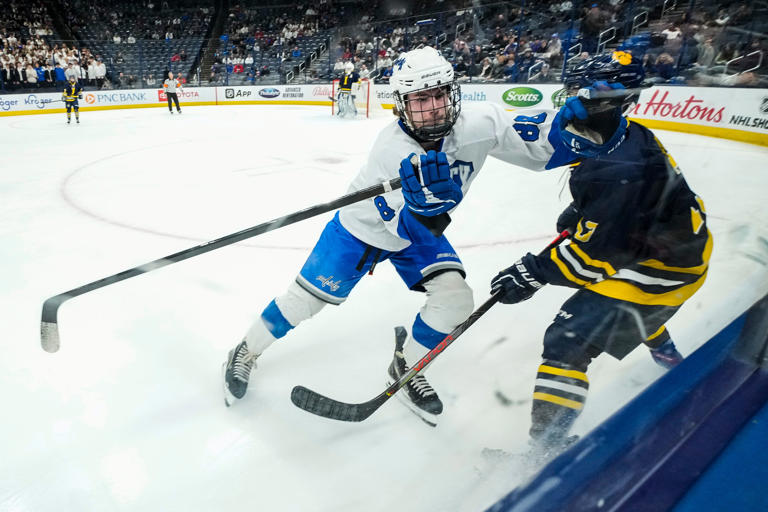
[349, 68]
[418, 71]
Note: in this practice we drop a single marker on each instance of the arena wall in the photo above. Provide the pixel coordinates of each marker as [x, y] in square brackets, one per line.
[739, 114]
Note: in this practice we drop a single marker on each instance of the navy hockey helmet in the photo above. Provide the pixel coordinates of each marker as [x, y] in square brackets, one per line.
[619, 67]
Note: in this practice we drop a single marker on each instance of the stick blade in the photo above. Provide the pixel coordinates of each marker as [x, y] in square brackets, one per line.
[49, 336]
[49, 323]
[320, 405]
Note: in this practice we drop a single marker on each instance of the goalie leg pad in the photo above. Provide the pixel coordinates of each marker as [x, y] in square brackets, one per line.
[449, 302]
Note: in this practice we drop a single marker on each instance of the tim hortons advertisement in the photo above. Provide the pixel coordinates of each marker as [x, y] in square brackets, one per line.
[706, 109]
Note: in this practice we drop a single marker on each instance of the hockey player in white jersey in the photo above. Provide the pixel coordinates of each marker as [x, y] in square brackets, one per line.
[437, 149]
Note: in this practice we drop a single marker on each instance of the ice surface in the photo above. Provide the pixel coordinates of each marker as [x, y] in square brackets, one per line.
[129, 414]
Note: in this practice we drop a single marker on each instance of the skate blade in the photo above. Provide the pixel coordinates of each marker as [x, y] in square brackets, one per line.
[429, 419]
[229, 398]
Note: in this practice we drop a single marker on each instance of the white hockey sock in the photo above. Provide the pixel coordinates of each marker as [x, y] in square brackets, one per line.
[259, 338]
[413, 351]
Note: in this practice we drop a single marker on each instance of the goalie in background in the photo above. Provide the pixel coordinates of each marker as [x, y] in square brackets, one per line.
[639, 249]
[345, 100]
[72, 92]
[437, 148]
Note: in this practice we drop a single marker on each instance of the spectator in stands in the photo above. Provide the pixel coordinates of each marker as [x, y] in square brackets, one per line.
[40, 72]
[101, 73]
[545, 76]
[59, 76]
[30, 75]
[672, 31]
[14, 76]
[131, 39]
[460, 67]
[71, 71]
[175, 57]
[511, 71]
[296, 53]
[663, 68]
[525, 62]
[150, 80]
[183, 56]
[117, 39]
[591, 26]
[92, 73]
[726, 53]
[486, 68]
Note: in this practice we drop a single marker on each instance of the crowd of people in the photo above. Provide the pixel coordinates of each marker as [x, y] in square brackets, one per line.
[500, 43]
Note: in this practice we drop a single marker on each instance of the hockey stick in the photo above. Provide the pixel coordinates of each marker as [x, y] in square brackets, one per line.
[49, 327]
[315, 403]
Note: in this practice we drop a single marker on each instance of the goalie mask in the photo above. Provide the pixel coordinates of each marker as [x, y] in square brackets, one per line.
[427, 97]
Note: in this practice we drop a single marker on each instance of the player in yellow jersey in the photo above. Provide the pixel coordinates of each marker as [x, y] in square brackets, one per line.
[72, 92]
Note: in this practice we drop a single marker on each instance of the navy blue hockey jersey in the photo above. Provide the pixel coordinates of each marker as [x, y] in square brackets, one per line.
[642, 236]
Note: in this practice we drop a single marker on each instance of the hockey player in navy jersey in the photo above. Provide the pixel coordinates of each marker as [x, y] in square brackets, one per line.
[437, 148]
[72, 92]
[639, 249]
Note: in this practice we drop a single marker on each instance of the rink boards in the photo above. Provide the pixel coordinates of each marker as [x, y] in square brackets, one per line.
[738, 114]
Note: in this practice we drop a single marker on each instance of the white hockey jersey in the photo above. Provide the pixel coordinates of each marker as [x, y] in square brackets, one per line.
[481, 130]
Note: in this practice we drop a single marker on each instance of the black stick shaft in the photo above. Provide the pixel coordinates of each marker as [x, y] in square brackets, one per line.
[315, 403]
[49, 334]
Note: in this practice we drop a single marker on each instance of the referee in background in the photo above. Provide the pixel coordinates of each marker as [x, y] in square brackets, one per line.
[170, 85]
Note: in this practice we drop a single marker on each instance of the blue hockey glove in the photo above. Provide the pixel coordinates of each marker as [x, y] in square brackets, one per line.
[432, 191]
[573, 109]
[516, 283]
[667, 355]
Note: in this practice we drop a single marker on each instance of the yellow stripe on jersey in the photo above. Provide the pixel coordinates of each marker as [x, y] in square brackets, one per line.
[698, 270]
[590, 261]
[630, 293]
[564, 269]
[573, 374]
[658, 333]
[546, 397]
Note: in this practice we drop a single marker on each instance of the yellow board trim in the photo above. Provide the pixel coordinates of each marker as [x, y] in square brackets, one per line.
[592, 262]
[546, 397]
[573, 374]
[710, 131]
[630, 293]
[698, 270]
[564, 270]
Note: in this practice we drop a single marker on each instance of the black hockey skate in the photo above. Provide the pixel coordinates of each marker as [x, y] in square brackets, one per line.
[544, 449]
[417, 394]
[237, 371]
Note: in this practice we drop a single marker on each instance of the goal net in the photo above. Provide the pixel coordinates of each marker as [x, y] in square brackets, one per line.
[365, 99]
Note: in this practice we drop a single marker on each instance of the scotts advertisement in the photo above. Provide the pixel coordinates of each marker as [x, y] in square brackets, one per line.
[522, 97]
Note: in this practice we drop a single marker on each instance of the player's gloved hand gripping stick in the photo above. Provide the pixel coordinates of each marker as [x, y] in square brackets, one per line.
[320, 405]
